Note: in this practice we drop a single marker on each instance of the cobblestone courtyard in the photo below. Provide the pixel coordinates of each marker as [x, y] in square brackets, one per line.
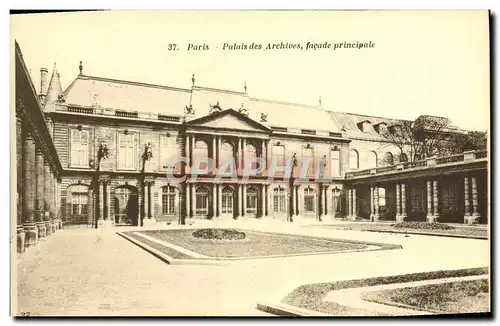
[96, 272]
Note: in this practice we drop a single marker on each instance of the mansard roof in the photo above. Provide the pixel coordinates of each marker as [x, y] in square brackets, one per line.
[88, 91]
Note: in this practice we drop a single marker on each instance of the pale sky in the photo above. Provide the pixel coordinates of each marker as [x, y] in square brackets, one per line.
[423, 62]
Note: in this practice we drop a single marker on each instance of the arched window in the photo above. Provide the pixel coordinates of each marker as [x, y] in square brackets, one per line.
[279, 200]
[201, 196]
[309, 195]
[403, 158]
[201, 152]
[353, 159]
[389, 158]
[227, 200]
[372, 159]
[168, 200]
[251, 200]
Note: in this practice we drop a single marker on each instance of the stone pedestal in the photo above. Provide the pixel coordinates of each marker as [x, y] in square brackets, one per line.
[31, 234]
[149, 221]
[42, 231]
[20, 239]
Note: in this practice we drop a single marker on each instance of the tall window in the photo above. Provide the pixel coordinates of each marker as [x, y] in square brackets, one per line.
[201, 207]
[251, 200]
[126, 151]
[335, 163]
[417, 199]
[279, 200]
[337, 202]
[168, 146]
[381, 198]
[309, 200]
[353, 159]
[403, 157]
[79, 148]
[168, 200]
[308, 158]
[251, 156]
[227, 201]
[79, 200]
[389, 158]
[201, 151]
[372, 159]
[449, 197]
[278, 157]
[226, 155]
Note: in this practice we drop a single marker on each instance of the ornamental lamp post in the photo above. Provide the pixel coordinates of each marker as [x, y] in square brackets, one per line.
[102, 153]
[146, 156]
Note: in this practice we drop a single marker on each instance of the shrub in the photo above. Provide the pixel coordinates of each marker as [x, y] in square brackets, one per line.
[424, 226]
[219, 234]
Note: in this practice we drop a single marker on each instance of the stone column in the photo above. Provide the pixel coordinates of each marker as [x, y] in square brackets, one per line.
[219, 144]
[29, 187]
[214, 199]
[266, 199]
[19, 195]
[188, 200]
[475, 204]
[467, 215]
[59, 223]
[297, 200]
[191, 149]
[146, 201]
[244, 199]
[40, 203]
[325, 201]
[354, 206]
[348, 203]
[436, 200]
[372, 203]
[101, 202]
[268, 156]
[243, 149]
[214, 153]
[240, 195]
[193, 200]
[398, 202]
[47, 178]
[376, 216]
[53, 206]
[238, 153]
[430, 217]
[219, 200]
[186, 149]
[403, 202]
[263, 151]
[108, 202]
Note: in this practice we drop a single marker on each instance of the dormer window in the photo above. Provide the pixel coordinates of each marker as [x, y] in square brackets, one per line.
[395, 128]
[365, 126]
[381, 128]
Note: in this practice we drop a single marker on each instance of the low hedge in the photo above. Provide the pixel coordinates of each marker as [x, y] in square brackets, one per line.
[219, 234]
[423, 226]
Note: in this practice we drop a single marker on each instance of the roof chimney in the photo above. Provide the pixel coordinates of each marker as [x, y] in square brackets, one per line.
[81, 68]
[43, 84]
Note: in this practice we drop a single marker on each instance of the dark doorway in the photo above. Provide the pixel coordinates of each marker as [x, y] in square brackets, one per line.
[126, 206]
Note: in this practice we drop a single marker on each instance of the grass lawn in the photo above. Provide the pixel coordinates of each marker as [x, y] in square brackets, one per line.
[390, 227]
[256, 244]
[454, 297]
[311, 296]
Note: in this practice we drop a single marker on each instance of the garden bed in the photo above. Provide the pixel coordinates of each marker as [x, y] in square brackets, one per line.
[470, 296]
[423, 228]
[311, 296]
[255, 245]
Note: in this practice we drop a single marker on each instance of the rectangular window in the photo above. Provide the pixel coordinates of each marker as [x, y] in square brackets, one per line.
[335, 163]
[309, 203]
[126, 151]
[201, 204]
[79, 203]
[168, 207]
[227, 204]
[279, 203]
[308, 158]
[168, 146]
[79, 143]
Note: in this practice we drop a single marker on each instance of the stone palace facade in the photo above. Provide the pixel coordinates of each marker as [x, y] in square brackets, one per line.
[101, 150]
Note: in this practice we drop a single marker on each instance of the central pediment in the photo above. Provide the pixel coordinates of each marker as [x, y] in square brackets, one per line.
[229, 119]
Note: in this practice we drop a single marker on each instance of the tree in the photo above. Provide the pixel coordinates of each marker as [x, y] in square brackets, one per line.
[429, 136]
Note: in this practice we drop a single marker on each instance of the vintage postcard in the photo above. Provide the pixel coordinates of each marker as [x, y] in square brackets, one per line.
[250, 163]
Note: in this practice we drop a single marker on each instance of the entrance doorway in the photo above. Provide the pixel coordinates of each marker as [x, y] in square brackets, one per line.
[227, 203]
[126, 206]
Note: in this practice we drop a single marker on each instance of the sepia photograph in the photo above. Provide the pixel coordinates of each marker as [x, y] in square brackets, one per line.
[250, 163]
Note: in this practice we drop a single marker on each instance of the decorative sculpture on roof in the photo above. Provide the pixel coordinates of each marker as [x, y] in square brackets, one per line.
[148, 152]
[215, 108]
[81, 68]
[189, 109]
[263, 117]
[61, 98]
[243, 110]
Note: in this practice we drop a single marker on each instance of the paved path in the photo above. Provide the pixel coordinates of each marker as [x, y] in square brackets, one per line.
[96, 272]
